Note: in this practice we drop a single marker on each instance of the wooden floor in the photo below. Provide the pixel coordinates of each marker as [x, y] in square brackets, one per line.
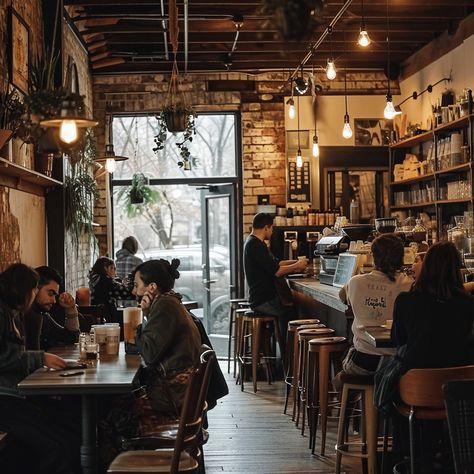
[248, 433]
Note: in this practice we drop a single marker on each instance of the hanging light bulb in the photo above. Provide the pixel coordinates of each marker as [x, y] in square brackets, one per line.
[299, 159]
[110, 165]
[68, 131]
[347, 130]
[389, 112]
[315, 145]
[291, 108]
[364, 39]
[331, 70]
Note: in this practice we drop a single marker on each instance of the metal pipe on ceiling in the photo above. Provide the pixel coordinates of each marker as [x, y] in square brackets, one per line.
[313, 47]
[163, 24]
[186, 31]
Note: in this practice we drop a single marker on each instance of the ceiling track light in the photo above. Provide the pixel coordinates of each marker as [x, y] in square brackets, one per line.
[364, 39]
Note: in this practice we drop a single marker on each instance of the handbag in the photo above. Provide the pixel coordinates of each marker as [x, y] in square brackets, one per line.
[386, 381]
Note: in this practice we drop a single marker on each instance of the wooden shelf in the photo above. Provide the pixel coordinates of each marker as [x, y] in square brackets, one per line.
[453, 201]
[413, 180]
[463, 167]
[411, 206]
[24, 179]
[300, 227]
[454, 125]
[415, 140]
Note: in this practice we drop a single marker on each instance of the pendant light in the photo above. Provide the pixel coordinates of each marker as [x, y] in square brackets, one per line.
[315, 139]
[291, 105]
[301, 85]
[331, 67]
[299, 158]
[347, 130]
[109, 157]
[389, 112]
[364, 39]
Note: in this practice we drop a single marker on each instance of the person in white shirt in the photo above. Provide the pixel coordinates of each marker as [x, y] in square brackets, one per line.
[371, 297]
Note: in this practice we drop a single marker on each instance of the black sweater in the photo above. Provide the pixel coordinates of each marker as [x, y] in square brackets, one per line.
[437, 334]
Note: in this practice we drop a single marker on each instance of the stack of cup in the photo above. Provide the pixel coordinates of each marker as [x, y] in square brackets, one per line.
[100, 336]
[112, 338]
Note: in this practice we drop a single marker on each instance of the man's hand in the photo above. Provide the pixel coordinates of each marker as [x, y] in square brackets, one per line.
[66, 301]
[53, 361]
[301, 264]
[147, 300]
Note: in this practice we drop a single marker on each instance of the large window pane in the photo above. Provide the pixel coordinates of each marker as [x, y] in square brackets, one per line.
[212, 148]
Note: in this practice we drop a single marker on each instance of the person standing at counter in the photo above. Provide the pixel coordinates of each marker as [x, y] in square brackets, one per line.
[371, 297]
[267, 294]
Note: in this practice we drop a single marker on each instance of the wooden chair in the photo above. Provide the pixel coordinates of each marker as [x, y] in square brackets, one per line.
[459, 403]
[89, 315]
[421, 396]
[189, 305]
[184, 455]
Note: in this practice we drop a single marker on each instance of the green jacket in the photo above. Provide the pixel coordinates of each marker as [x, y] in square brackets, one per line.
[15, 362]
[169, 340]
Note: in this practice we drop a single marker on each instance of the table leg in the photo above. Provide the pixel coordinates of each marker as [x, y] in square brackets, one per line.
[89, 457]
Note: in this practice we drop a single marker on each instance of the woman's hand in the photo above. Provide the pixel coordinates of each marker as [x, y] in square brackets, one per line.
[53, 361]
[147, 300]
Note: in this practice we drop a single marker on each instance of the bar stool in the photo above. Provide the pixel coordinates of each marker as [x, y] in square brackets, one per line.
[320, 353]
[252, 325]
[234, 304]
[368, 443]
[238, 314]
[305, 335]
[290, 358]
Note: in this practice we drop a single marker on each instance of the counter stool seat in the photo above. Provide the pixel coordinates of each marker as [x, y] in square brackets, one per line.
[311, 326]
[321, 352]
[291, 358]
[369, 441]
[252, 325]
[235, 304]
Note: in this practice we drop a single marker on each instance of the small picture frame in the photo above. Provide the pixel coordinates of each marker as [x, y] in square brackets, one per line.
[372, 131]
[19, 56]
[292, 139]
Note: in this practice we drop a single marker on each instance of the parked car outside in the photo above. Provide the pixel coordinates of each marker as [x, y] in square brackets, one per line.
[190, 283]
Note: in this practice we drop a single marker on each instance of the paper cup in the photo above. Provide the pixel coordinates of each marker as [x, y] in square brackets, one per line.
[112, 339]
[132, 317]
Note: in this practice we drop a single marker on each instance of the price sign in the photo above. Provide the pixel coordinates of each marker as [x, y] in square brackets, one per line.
[299, 183]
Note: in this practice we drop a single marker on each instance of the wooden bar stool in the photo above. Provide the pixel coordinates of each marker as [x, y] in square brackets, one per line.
[234, 304]
[290, 354]
[320, 353]
[252, 326]
[368, 443]
[305, 335]
[238, 314]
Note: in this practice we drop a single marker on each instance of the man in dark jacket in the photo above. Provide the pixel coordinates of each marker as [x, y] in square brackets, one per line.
[41, 330]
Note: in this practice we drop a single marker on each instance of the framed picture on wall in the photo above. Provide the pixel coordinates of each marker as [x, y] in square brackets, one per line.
[292, 139]
[372, 132]
[19, 58]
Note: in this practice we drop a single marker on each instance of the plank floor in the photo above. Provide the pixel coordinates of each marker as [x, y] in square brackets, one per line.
[248, 433]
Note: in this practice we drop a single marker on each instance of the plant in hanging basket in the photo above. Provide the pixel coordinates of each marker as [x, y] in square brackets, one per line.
[177, 118]
[12, 110]
[294, 19]
[139, 192]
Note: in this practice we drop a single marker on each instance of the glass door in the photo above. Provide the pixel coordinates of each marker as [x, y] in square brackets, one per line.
[218, 209]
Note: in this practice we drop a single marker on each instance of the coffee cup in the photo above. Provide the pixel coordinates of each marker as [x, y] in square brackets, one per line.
[112, 339]
[132, 317]
[388, 323]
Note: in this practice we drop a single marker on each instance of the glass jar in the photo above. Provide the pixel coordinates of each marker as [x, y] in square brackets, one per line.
[458, 235]
[419, 231]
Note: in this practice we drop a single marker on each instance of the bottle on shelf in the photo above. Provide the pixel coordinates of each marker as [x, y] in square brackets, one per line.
[354, 211]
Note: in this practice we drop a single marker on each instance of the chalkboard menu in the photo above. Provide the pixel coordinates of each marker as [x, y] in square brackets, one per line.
[299, 182]
[345, 269]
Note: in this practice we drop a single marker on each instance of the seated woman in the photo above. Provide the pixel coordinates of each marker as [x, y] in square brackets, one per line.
[40, 443]
[169, 343]
[105, 288]
[435, 319]
[371, 297]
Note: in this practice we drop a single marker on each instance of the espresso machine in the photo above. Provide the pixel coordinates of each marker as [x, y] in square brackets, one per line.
[329, 248]
[290, 239]
[311, 239]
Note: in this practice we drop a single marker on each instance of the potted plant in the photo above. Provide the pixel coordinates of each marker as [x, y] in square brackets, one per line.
[139, 192]
[12, 110]
[294, 19]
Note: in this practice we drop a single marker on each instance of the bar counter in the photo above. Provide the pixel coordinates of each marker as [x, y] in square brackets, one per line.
[331, 310]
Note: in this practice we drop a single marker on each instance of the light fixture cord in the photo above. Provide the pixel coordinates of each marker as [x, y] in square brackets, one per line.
[299, 148]
[388, 51]
[362, 11]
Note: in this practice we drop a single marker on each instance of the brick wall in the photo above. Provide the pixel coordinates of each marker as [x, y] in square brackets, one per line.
[263, 150]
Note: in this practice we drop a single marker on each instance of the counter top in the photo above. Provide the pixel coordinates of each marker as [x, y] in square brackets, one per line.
[326, 294]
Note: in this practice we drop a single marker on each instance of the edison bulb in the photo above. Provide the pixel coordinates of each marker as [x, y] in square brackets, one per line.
[110, 165]
[291, 109]
[347, 130]
[364, 39]
[299, 160]
[68, 131]
[389, 111]
[315, 147]
[331, 70]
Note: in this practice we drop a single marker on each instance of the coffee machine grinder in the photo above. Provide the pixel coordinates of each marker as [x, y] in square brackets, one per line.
[290, 238]
[311, 239]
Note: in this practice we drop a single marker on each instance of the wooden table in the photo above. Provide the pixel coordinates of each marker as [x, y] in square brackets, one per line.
[379, 336]
[113, 375]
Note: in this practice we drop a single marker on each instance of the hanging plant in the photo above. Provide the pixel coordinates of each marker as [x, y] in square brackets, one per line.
[11, 113]
[294, 19]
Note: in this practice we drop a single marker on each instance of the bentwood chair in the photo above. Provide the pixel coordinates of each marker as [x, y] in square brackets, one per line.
[89, 315]
[459, 402]
[422, 399]
[185, 455]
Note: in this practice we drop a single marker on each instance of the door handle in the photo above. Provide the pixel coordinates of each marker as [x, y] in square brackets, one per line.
[208, 282]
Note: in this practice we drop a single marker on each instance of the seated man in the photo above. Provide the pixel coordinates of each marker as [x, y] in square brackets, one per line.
[262, 271]
[41, 330]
